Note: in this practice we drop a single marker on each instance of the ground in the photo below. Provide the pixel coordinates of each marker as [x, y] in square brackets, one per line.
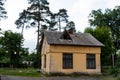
[46, 78]
[33, 74]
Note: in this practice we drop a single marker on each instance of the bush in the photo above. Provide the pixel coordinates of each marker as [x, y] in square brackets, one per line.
[114, 71]
[118, 78]
[105, 70]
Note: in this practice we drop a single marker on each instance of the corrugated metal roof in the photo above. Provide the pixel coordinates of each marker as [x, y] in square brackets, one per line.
[80, 39]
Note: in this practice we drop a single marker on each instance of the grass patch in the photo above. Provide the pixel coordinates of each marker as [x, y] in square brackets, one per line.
[110, 79]
[30, 72]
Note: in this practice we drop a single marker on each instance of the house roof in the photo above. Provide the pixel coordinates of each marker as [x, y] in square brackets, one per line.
[80, 39]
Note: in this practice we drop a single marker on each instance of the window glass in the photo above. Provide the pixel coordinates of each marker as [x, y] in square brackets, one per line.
[67, 60]
[91, 61]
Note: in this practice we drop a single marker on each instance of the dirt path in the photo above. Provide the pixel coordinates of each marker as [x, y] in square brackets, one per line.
[46, 78]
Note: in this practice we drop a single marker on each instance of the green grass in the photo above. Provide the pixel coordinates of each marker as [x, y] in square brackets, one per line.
[110, 79]
[30, 72]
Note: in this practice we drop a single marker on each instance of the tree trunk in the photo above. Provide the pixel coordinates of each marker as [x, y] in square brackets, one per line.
[22, 29]
[59, 25]
[113, 60]
[38, 39]
[38, 44]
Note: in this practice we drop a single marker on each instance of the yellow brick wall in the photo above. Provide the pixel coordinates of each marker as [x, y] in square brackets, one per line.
[79, 63]
[79, 58]
[78, 49]
[45, 50]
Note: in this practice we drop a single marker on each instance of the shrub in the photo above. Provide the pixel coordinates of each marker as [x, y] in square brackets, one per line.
[118, 78]
[114, 71]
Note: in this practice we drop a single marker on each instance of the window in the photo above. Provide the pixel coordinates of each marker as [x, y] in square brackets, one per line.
[44, 61]
[67, 61]
[90, 61]
[65, 36]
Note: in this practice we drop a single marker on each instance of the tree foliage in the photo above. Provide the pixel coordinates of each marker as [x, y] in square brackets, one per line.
[2, 9]
[11, 48]
[71, 25]
[33, 58]
[61, 16]
[110, 18]
[22, 20]
[3, 12]
[35, 15]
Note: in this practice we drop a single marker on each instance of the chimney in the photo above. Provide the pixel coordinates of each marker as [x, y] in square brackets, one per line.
[70, 31]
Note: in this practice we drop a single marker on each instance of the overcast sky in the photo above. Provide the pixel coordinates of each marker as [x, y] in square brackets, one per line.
[78, 11]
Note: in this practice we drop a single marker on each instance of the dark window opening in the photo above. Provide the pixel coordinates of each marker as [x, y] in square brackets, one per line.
[65, 36]
[44, 61]
[67, 61]
[91, 61]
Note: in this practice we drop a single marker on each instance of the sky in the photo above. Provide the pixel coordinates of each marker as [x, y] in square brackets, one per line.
[78, 11]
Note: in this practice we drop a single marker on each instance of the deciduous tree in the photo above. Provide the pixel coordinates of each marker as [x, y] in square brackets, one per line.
[110, 18]
[12, 46]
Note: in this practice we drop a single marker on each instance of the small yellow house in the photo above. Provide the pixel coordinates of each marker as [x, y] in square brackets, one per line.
[68, 52]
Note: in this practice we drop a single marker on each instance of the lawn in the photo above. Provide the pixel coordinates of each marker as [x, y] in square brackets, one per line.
[20, 72]
[31, 72]
[110, 78]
